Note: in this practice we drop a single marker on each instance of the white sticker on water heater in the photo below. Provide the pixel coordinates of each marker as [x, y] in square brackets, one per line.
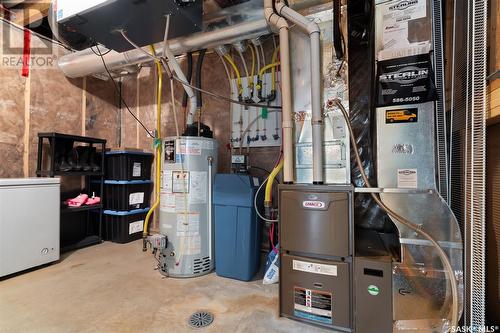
[407, 178]
[311, 267]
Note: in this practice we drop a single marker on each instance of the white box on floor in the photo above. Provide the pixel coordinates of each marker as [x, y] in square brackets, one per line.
[29, 223]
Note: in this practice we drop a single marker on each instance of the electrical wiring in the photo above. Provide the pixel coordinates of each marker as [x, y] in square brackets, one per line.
[244, 133]
[273, 61]
[255, 203]
[257, 56]
[252, 72]
[236, 71]
[131, 42]
[231, 62]
[245, 69]
[117, 89]
[267, 67]
[442, 255]
[256, 105]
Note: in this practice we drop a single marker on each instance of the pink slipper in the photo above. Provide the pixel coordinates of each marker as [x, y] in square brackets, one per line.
[93, 201]
[78, 201]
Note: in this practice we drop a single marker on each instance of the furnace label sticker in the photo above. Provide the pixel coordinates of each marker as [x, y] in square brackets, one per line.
[180, 182]
[311, 267]
[401, 116]
[407, 178]
[313, 305]
[136, 198]
[135, 227]
[188, 224]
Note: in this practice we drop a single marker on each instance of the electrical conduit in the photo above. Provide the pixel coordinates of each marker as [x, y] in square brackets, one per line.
[280, 23]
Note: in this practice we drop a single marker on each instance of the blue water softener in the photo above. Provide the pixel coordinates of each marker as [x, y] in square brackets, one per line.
[237, 227]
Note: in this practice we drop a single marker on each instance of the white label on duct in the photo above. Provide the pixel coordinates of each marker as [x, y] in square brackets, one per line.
[180, 182]
[135, 227]
[395, 16]
[167, 202]
[188, 224]
[407, 178]
[136, 198]
[137, 170]
[198, 187]
[191, 245]
[311, 267]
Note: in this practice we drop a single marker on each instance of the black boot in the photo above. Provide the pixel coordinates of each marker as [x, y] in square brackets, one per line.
[96, 167]
[83, 161]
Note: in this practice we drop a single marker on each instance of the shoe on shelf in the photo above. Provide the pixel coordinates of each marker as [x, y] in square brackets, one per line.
[78, 201]
[93, 200]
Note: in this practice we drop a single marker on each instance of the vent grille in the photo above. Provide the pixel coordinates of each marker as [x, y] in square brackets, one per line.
[200, 319]
[467, 149]
[201, 265]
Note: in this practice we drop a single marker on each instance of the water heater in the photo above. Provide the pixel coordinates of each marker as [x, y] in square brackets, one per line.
[189, 166]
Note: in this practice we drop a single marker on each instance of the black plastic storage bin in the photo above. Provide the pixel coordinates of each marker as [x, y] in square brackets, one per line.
[124, 227]
[124, 195]
[128, 165]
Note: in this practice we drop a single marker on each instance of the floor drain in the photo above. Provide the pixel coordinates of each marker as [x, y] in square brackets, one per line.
[200, 319]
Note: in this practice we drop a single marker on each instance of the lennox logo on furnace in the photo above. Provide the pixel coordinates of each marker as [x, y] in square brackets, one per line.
[314, 204]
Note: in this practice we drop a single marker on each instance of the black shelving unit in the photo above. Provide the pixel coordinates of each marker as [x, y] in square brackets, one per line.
[93, 214]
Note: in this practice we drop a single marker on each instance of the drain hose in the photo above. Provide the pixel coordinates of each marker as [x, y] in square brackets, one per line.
[442, 255]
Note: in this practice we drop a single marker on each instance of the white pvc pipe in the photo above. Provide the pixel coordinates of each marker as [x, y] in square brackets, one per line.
[286, 86]
[313, 30]
[210, 191]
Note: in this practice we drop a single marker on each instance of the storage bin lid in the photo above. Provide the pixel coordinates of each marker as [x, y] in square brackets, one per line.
[128, 152]
[235, 190]
[28, 181]
[127, 182]
[126, 213]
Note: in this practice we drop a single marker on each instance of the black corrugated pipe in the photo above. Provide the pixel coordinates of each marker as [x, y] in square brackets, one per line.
[337, 34]
[199, 66]
[189, 77]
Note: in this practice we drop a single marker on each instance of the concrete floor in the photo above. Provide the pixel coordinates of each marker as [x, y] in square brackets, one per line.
[114, 288]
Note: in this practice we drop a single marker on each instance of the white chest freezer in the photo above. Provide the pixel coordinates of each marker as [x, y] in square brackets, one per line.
[29, 223]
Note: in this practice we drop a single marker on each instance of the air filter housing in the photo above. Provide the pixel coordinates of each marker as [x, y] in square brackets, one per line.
[100, 21]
